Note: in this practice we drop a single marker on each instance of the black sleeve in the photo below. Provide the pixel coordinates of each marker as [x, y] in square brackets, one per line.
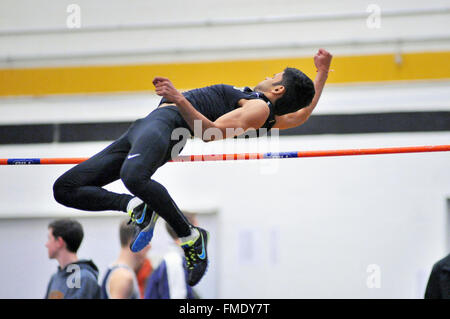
[433, 290]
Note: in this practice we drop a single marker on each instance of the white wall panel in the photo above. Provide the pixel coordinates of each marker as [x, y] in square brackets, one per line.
[160, 44]
[331, 217]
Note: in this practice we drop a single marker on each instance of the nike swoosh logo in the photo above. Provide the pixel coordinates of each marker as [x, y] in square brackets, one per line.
[203, 254]
[132, 156]
[141, 220]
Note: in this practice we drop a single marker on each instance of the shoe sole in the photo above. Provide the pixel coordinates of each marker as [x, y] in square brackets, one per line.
[145, 236]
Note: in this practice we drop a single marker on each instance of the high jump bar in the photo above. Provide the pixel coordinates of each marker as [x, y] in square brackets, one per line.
[247, 156]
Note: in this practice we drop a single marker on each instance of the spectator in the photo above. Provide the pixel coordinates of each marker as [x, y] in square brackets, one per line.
[143, 275]
[120, 281]
[75, 279]
[169, 279]
[438, 286]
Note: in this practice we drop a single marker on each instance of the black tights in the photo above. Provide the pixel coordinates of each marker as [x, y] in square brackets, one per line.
[133, 158]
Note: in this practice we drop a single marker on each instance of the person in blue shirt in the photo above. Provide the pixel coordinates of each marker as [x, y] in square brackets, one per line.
[74, 279]
[170, 279]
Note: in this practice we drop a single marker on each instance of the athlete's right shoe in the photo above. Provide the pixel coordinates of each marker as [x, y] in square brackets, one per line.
[144, 221]
[196, 256]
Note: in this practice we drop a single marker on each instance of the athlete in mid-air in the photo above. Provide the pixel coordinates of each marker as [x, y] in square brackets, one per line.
[283, 101]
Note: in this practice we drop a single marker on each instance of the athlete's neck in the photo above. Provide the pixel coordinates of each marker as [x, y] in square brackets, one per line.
[268, 95]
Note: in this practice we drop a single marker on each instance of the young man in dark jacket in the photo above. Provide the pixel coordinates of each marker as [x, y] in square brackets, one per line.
[438, 286]
[74, 279]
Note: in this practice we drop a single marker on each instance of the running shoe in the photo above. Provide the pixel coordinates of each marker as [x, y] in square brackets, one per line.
[144, 220]
[196, 256]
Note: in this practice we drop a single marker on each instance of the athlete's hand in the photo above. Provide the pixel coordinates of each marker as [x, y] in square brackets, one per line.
[165, 88]
[322, 60]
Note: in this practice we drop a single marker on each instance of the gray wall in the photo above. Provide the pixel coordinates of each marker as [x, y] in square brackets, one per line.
[291, 228]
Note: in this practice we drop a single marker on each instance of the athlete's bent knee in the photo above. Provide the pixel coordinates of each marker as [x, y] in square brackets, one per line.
[61, 191]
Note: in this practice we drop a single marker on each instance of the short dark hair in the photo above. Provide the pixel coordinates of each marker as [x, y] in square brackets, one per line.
[299, 92]
[189, 216]
[70, 231]
[126, 233]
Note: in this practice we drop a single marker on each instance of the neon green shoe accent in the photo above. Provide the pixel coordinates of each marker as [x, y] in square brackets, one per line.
[190, 242]
[154, 218]
[130, 213]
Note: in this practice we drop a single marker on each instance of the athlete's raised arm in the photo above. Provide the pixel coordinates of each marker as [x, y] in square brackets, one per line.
[322, 61]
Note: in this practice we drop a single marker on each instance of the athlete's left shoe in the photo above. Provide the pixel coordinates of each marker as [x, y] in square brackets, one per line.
[144, 221]
[196, 256]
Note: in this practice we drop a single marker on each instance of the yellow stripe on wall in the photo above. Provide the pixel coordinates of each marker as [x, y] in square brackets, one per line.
[122, 78]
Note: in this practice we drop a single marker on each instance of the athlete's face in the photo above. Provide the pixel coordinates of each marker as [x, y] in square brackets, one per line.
[268, 83]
